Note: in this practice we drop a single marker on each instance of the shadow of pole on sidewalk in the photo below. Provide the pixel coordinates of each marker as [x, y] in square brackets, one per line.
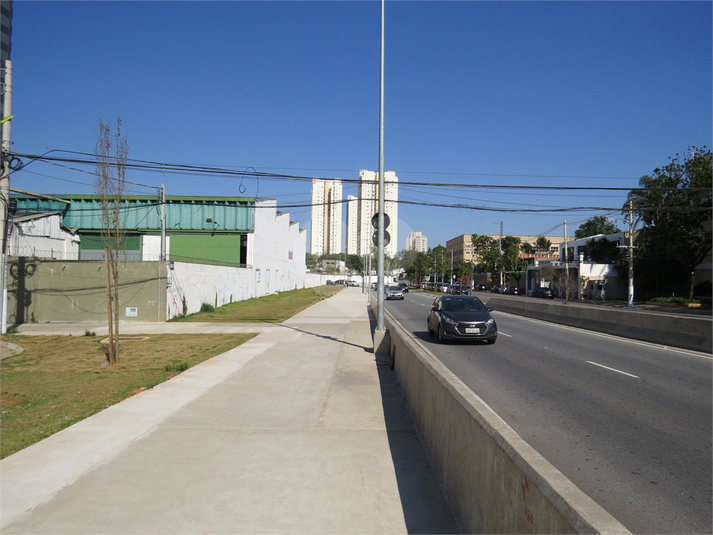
[425, 506]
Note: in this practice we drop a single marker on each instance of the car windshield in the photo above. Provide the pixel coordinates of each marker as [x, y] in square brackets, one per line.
[394, 289]
[454, 304]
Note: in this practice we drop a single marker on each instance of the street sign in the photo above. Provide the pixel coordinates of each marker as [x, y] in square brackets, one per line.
[375, 221]
[387, 238]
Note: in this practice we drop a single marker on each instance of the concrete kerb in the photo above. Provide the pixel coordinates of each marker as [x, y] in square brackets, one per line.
[685, 332]
[483, 465]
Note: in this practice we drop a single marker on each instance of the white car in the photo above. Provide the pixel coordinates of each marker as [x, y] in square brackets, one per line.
[393, 292]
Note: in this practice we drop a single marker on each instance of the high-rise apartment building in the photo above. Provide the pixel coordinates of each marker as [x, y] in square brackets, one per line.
[368, 206]
[326, 222]
[352, 224]
[417, 242]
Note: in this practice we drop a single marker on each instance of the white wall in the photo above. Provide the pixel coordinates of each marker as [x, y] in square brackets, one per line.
[151, 248]
[276, 254]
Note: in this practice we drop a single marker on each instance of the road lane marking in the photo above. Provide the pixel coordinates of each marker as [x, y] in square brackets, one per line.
[688, 352]
[502, 333]
[612, 369]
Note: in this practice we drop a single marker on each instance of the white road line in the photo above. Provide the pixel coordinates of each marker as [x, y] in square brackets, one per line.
[503, 334]
[688, 352]
[612, 369]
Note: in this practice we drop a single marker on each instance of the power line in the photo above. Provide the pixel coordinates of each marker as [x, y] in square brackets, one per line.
[147, 165]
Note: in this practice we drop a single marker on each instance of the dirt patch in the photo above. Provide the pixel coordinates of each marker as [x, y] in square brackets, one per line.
[127, 339]
[8, 349]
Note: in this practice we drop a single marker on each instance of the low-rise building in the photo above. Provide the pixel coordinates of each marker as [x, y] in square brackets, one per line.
[216, 250]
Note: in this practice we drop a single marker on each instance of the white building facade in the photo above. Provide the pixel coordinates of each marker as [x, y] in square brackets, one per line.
[326, 220]
[42, 236]
[416, 241]
[352, 225]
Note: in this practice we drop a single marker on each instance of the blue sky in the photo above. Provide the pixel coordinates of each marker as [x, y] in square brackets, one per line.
[485, 93]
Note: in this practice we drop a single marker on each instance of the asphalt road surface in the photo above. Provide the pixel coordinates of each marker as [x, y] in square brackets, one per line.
[629, 423]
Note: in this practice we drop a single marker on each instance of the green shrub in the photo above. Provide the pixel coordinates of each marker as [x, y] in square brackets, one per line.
[206, 307]
[176, 366]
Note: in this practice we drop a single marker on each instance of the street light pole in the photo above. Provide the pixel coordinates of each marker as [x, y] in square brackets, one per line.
[380, 231]
[631, 254]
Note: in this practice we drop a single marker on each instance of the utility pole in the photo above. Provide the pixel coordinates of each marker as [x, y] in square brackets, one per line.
[500, 248]
[5, 189]
[451, 267]
[380, 231]
[162, 255]
[163, 223]
[631, 254]
[566, 267]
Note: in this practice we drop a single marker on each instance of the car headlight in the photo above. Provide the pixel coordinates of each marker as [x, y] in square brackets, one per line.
[490, 322]
[449, 320]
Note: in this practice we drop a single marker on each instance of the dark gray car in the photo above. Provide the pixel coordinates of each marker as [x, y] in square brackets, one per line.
[461, 317]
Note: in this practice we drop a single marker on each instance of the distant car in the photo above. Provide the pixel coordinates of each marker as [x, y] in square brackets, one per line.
[480, 287]
[352, 283]
[543, 292]
[393, 292]
[459, 289]
[374, 285]
[461, 317]
[514, 290]
[404, 287]
[498, 289]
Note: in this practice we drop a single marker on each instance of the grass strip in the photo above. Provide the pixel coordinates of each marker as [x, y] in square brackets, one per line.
[274, 308]
[59, 380]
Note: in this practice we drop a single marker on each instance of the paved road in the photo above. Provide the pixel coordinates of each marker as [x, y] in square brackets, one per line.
[628, 422]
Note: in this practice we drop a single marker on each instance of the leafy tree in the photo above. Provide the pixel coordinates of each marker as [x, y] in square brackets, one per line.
[406, 258]
[462, 269]
[674, 204]
[489, 260]
[355, 263]
[543, 244]
[511, 253]
[439, 261]
[420, 267]
[596, 225]
[311, 261]
[603, 251]
[527, 248]
[481, 243]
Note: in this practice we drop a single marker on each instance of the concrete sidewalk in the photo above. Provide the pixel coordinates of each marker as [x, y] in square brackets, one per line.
[299, 430]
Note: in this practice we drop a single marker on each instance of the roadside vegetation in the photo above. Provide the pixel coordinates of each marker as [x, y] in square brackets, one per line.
[57, 381]
[269, 309]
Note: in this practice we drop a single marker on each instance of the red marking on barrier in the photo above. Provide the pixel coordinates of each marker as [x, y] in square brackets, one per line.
[525, 487]
[528, 515]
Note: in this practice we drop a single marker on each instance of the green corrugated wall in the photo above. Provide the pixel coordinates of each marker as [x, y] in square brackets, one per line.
[218, 247]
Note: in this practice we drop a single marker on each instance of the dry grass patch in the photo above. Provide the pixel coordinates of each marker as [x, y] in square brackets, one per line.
[59, 380]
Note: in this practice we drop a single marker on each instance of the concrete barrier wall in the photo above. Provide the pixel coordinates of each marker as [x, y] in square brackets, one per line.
[686, 332]
[495, 481]
[74, 291]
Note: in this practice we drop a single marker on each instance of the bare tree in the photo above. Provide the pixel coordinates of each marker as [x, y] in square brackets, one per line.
[110, 185]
